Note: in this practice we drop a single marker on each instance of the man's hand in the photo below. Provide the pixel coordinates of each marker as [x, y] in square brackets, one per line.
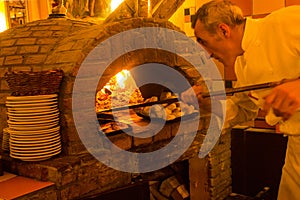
[189, 95]
[193, 96]
[284, 99]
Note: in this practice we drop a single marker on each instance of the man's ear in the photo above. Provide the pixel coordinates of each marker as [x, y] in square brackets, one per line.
[224, 30]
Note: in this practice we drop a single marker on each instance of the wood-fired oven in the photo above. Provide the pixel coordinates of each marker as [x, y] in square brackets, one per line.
[60, 43]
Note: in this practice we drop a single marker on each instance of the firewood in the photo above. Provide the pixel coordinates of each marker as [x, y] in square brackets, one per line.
[155, 193]
[180, 193]
[168, 186]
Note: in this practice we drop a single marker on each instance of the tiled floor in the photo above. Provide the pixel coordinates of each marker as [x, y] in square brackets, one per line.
[12, 186]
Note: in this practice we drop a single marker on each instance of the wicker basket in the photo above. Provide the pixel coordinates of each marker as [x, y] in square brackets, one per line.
[34, 83]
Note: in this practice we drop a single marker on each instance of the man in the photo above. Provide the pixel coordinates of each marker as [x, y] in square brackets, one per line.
[260, 50]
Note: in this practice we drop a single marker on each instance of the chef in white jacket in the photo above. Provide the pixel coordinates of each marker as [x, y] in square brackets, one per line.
[260, 50]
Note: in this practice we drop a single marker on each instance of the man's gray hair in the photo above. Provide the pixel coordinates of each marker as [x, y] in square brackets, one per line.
[213, 13]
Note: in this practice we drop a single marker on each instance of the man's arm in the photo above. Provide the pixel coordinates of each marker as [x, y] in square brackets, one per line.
[284, 99]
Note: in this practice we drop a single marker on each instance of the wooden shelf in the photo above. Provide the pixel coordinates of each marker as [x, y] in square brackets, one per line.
[13, 186]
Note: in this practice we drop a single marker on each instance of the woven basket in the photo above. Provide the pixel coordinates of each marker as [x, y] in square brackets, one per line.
[34, 83]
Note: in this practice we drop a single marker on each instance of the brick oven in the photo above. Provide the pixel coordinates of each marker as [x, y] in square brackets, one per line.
[61, 43]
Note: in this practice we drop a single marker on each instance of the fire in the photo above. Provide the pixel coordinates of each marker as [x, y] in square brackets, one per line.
[115, 3]
[120, 90]
[122, 77]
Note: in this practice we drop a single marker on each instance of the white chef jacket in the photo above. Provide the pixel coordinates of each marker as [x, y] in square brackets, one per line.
[272, 53]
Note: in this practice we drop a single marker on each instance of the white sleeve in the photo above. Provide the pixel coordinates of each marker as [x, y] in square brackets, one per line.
[239, 109]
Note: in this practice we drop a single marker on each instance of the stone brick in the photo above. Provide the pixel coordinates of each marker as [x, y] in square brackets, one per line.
[26, 41]
[192, 72]
[215, 191]
[59, 34]
[21, 68]
[47, 41]
[215, 160]
[66, 57]
[123, 141]
[29, 49]
[65, 28]
[164, 134]
[1, 63]
[3, 96]
[4, 86]
[22, 35]
[35, 59]
[74, 148]
[7, 42]
[66, 46]
[13, 60]
[43, 34]
[223, 194]
[8, 51]
[70, 192]
[142, 141]
[48, 23]
[222, 144]
[69, 176]
[46, 48]
[82, 44]
[224, 175]
[40, 28]
[224, 166]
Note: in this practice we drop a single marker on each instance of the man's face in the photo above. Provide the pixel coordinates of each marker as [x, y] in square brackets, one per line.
[217, 45]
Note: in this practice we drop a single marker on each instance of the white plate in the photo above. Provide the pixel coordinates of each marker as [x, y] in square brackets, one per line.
[32, 116]
[38, 148]
[22, 98]
[32, 112]
[29, 105]
[30, 132]
[30, 101]
[38, 151]
[32, 125]
[41, 142]
[33, 137]
[32, 108]
[28, 154]
[36, 158]
[35, 122]
[39, 139]
[20, 153]
[32, 128]
[34, 132]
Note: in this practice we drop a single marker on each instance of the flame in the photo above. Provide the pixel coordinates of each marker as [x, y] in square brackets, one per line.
[115, 3]
[122, 77]
[120, 90]
[149, 9]
[3, 24]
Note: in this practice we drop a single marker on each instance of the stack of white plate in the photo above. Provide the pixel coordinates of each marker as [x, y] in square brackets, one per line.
[5, 140]
[33, 125]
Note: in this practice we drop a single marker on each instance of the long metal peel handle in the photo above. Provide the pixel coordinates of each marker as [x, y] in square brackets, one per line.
[231, 91]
